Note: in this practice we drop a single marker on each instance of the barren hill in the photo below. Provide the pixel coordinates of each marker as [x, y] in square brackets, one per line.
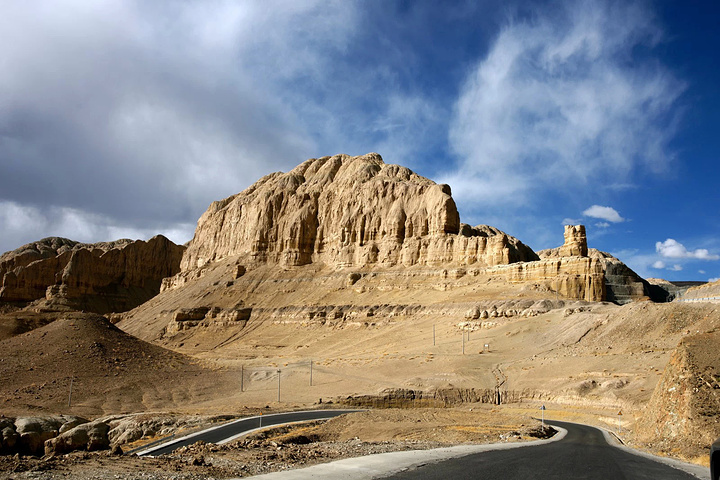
[111, 370]
[346, 211]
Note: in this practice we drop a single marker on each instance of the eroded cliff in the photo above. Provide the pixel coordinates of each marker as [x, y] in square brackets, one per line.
[100, 277]
[347, 211]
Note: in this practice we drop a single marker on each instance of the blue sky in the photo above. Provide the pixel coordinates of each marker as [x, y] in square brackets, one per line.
[126, 119]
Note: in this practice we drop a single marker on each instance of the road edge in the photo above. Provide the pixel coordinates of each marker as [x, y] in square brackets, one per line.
[382, 465]
[171, 441]
[691, 468]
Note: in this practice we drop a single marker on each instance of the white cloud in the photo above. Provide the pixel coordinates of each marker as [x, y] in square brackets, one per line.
[570, 221]
[714, 279]
[659, 264]
[671, 248]
[559, 103]
[675, 268]
[604, 213]
[702, 272]
[602, 225]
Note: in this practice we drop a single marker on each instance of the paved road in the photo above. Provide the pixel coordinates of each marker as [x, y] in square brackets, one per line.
[239, 427]
[582, 454]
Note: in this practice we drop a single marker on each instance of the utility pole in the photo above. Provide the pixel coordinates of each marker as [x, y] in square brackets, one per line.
[278, 372]
[70, 396]
[242, 378]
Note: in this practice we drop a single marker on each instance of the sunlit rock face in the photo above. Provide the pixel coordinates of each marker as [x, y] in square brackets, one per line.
[575, 242]
[347, 212]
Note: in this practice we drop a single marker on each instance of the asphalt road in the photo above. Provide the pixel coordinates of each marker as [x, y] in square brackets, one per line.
[582, 454]
[239, 427]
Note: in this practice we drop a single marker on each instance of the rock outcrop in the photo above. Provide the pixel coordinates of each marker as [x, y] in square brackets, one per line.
[99, 277]
[588, 272]
[582, 278]
[28, 434]
[575, 242]
[683, 411]
[347, 211]
[87, 436]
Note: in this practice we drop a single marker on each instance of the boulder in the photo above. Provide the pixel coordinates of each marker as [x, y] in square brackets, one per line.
[8, 438]
[33, 432]
[87, 436]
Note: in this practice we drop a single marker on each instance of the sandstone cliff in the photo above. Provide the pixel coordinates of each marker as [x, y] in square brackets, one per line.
[100, 277]
[577, 271]
[347, 211]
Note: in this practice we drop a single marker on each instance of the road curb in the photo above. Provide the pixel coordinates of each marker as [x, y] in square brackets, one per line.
[161, 445]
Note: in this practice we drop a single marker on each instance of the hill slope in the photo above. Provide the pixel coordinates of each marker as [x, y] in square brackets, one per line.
[111, 370]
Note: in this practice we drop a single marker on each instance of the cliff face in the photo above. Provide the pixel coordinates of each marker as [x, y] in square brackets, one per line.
[100, 277]
[587, 272]
[582, 278]
[347, 211]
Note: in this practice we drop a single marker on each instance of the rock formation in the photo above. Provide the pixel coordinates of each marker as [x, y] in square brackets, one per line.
[358, 212]
[588, 272]
[683, 410]
[100, 277]
[582, 278]
[347, 211]
[575, 242]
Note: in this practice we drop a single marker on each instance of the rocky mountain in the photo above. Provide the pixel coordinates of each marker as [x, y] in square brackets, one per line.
[343, 237]
[99, 277]
[347, 211]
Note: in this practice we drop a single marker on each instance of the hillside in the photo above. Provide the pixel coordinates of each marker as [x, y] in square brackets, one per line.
[111, 371]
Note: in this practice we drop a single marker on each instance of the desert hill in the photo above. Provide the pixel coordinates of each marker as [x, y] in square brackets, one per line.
[111, 370]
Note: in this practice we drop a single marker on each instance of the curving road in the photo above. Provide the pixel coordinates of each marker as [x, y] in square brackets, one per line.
[582, 454]
[236, 428]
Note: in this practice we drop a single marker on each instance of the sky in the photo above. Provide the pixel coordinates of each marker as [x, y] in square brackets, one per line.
[125, 119]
